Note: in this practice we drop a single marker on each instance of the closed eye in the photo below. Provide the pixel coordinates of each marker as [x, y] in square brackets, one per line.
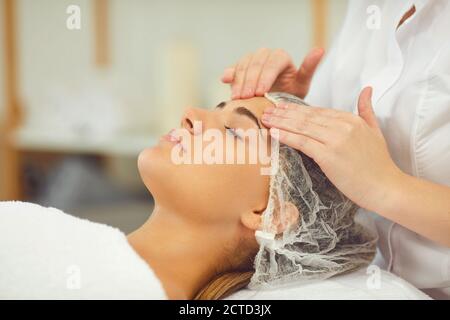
[233, 132]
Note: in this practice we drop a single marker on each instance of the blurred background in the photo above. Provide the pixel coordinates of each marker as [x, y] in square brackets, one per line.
[85, 85]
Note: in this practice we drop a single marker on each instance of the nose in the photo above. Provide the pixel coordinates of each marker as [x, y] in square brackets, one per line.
[190, 116]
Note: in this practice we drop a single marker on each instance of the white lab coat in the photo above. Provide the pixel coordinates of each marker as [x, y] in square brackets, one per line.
[409, 70]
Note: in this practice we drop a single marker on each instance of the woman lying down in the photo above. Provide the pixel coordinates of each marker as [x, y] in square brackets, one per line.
[215, 228]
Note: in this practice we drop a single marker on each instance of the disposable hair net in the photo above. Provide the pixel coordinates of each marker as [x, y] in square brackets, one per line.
[323, 239]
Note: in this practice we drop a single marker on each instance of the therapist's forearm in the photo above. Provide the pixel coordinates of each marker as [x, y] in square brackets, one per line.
[419, 205]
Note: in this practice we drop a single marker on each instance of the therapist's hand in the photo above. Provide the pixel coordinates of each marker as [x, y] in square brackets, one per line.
[350, 149]
[271, 70]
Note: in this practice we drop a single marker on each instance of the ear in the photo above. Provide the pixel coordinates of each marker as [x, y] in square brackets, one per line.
[253, 219]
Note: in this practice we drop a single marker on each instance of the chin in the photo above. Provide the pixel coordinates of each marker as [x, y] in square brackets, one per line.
[163, 180]
[152, 166]
[157, 172]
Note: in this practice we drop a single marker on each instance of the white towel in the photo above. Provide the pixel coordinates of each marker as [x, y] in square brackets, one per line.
[358, 285]
[48, 254]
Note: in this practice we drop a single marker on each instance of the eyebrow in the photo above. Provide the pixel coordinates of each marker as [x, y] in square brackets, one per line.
[221, 105]
[245, 112]
[241, 111]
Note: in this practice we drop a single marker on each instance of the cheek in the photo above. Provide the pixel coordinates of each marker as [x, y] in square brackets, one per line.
[204, 191]
[228, 189]
[214, 190]
[209, 193]
[224, 191]
[214, 193]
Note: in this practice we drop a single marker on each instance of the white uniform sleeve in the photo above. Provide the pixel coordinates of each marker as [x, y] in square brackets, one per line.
[321, 90]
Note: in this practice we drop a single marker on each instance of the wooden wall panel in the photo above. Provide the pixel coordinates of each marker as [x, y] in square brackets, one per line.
[101, 33]
[319, 28]
[10, 157]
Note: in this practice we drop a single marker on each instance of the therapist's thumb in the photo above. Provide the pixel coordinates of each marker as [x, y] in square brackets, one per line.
[306, 71]
[365, 109]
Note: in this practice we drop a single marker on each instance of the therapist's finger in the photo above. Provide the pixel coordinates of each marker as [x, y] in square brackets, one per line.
[239, 76]
[253, 72]
[307, 70]
[327, 112]
[299, 125]
[365, 109]
[228, 74]
[277, 61]
[312, 148]
[333, 122]
[298, 112]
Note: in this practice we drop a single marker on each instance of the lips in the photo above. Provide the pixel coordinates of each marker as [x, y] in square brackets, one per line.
[172, 137]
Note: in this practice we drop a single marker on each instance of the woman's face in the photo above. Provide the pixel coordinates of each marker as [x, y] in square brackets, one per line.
[205, 189]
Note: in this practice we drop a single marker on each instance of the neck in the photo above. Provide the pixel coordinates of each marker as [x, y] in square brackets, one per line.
[184, 255]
